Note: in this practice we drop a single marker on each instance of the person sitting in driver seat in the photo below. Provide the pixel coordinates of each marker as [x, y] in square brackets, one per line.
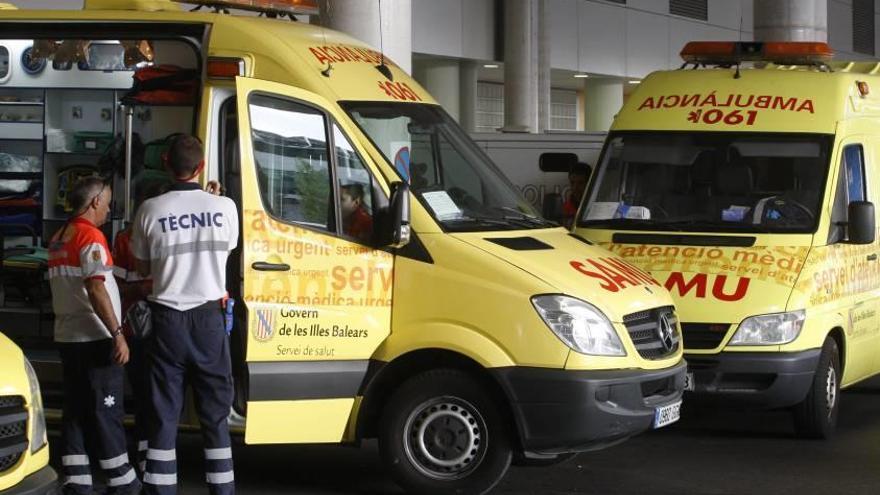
[356, 221]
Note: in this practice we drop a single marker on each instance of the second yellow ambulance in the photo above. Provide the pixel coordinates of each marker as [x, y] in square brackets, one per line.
[747, 192]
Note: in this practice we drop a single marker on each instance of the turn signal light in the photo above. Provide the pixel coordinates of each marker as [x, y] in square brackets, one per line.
[225, 68]
[780, 52]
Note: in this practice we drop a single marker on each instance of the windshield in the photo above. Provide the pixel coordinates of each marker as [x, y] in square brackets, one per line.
[718, 182]
[451, 177]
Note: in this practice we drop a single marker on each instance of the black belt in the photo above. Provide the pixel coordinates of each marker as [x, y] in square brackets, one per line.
[214, 305]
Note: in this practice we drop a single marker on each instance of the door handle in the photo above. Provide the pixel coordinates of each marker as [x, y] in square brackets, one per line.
[872, 257]
[265, 266]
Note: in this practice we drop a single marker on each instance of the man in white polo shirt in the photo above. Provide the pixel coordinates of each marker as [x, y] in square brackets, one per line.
[182, 239]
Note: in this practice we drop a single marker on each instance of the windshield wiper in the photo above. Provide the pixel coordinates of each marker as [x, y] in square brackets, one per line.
[478, 221]
[715, 226]
[618, 222]
[529, 220]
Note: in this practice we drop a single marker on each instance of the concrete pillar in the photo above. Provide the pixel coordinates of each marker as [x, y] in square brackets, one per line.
[791, 20]
[543, 67]
[520, 66]
[603, 98]
[361, 19]
[467, 95]
[441, 78]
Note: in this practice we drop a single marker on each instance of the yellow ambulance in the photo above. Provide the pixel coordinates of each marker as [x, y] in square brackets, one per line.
[24, 449]
[391, 283]
[747, 192]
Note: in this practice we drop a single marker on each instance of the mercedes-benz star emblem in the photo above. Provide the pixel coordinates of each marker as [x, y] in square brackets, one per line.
[666, 332]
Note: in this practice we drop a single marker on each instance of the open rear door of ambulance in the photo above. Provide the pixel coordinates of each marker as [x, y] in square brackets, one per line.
[318, 302]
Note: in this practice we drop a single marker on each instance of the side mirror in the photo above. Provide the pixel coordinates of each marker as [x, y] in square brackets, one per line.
[398, 232]
[557, 162]
[861, 222]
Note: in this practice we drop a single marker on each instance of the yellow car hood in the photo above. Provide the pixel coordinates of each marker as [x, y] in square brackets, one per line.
[721, 284]
[576, 268]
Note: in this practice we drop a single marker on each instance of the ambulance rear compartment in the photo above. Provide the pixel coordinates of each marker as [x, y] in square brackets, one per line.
[66, 105]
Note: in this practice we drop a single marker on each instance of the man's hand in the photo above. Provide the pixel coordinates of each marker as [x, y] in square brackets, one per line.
[214, 187]
[120, 350]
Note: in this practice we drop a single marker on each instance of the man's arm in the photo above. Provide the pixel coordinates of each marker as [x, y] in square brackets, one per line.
[100, 300]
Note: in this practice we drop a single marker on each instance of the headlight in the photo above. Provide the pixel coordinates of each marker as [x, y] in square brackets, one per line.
[580, 325]
[38, 418]
[775, 329]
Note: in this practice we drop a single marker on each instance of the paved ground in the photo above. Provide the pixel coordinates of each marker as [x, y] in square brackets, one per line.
[709, 452]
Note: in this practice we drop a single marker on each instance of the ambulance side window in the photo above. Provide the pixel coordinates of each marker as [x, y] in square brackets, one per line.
[850, 187]
[355, 189]
[854, 163]
[291, 155]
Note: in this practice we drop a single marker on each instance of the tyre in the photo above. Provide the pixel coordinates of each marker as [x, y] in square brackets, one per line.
[816, 416]
[442, 434]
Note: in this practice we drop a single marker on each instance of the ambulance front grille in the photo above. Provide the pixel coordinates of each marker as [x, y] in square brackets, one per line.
[646, 332]
[13, 431]
[703, 335]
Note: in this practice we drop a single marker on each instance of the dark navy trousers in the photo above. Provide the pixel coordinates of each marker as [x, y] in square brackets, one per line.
[189, 345]
[93, 413]
[136, 371]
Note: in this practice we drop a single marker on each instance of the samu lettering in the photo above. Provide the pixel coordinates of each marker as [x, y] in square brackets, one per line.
[191, 221]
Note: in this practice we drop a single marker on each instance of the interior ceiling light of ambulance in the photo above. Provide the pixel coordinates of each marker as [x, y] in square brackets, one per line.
[136, 52]
[269, 7]
[736, 52]
[72, 51]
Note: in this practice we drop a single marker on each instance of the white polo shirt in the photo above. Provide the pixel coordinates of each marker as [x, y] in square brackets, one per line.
[187, 235]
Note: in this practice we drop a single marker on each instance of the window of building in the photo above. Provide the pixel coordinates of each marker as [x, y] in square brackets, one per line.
[563, 110]
[490, 108]
[863, 26]
[694, 9]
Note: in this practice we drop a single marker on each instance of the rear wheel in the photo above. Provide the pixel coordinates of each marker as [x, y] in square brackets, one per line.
[442, 434]
[816, 416]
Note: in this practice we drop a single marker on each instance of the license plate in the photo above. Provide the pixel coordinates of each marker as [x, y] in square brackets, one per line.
[689, 382]
[666, 415]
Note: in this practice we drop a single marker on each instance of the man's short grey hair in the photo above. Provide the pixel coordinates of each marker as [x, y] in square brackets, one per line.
[83, 192]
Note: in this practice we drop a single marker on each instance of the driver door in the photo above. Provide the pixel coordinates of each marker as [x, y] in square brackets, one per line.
[856, 183]
[317, 294]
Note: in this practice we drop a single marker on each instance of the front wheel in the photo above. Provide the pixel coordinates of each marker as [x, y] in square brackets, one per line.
[442, 434]
[816, 416]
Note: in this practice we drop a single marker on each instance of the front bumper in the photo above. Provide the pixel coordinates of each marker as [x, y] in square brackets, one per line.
[38, 483]
[561, 411]
[761, 380]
